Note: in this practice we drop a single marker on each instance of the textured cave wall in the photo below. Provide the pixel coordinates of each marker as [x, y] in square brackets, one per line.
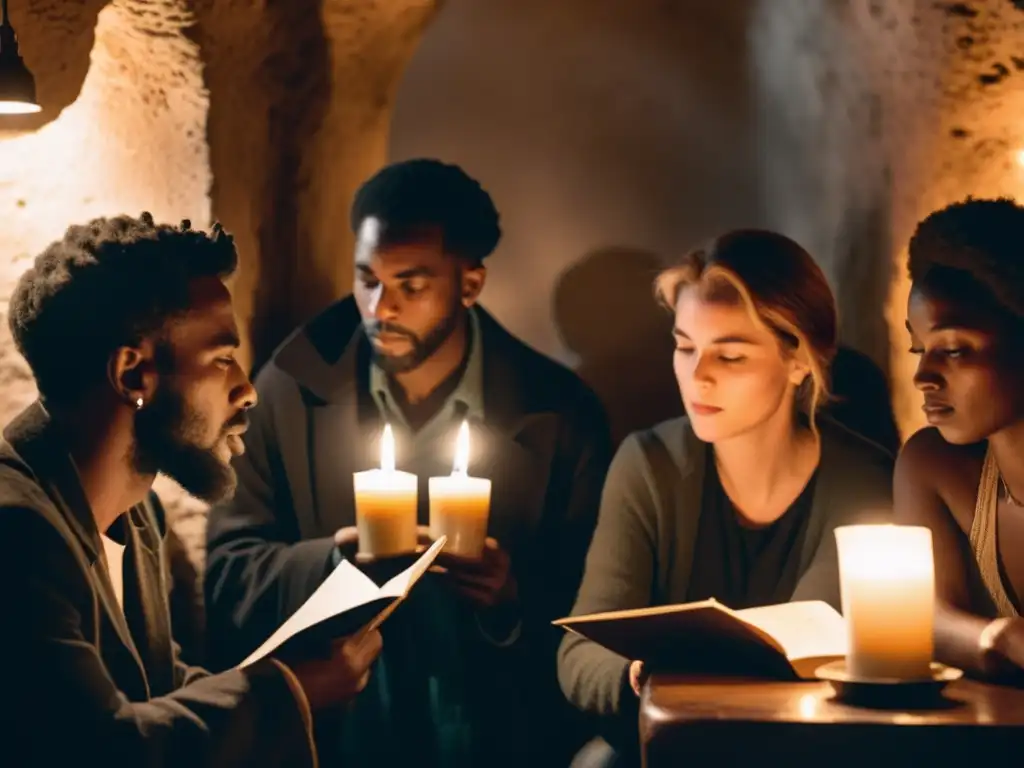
[597, 125]
[614, 134]
[262, 115]
[122, 130]
[300, 101]
[611, 135]
[875, 113]
[978, 101]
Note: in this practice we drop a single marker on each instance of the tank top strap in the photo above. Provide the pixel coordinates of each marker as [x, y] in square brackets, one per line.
[984, 536]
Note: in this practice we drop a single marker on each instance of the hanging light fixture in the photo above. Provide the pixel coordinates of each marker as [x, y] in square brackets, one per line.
[17, 86]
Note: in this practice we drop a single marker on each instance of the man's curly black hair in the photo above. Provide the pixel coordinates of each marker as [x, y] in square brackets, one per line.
[107, 284]
[414, 195]
[974, 244]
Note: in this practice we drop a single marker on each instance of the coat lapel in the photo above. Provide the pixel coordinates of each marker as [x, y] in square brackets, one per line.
[522, 439]
[345, 439]
[316, 443]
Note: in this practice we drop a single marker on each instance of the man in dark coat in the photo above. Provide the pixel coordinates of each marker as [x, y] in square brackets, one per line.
[130, 333]
[468, 677]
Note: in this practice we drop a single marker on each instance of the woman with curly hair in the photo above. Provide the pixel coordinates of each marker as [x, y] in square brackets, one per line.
[963, 476]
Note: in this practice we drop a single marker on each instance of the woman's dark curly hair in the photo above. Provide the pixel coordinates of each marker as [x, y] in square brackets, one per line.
[975, 246]
[107, 284]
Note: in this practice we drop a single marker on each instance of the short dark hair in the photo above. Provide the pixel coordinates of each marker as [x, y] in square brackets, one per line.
[976, 243]
[415, 195]
[107, 284]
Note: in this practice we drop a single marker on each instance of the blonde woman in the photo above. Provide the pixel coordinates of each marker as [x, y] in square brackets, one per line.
[737, 500]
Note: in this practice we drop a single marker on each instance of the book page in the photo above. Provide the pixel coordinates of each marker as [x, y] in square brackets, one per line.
[637, 613]
[400, 585]
[344, 589]
[806, 629]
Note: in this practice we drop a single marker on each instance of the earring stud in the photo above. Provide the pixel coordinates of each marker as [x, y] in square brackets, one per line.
[138, 403]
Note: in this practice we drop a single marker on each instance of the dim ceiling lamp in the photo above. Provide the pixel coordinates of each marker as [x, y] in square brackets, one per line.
[17, 86]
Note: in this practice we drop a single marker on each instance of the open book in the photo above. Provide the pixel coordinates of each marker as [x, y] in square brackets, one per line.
[786, 641]
[347, 602]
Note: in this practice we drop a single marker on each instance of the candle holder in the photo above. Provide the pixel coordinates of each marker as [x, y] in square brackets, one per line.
[889, 693]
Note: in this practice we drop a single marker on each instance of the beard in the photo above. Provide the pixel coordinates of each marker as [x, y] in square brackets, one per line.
[421, 348]
[168, 439]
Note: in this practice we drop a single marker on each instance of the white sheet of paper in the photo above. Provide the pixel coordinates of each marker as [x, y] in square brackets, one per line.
[806, 629]
[344, 589]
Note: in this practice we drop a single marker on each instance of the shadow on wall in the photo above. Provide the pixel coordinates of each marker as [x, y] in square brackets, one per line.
[863, 274]
[606, 314]
[861, 400]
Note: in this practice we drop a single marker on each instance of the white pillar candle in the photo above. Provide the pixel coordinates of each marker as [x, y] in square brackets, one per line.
[460, 505]
[887, 581]
[386, 505]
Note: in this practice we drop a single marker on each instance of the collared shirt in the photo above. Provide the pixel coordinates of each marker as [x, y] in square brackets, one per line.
[466, 401]
[114, 553]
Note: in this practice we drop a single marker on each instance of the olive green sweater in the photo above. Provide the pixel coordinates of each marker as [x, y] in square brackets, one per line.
[643, 548]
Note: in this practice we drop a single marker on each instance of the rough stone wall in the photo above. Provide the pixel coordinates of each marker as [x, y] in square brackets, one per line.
[300, 97]
[262, 115]
[122, 130]
[267, 115]
[875, 113]
[976, 141]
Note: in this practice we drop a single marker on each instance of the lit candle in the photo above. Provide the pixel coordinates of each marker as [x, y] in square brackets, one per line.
[460, 505]
[887, 581]
[386, 505]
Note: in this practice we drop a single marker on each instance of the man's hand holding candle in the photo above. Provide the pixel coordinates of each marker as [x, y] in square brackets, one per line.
[486, 582]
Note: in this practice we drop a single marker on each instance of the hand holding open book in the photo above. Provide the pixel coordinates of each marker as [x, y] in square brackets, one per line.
[346, 603]
[786, 641]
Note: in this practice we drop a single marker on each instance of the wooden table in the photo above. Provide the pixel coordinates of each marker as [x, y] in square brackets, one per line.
[689, 722]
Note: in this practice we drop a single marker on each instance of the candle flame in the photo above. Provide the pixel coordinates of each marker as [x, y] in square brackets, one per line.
[461, 465]
[387, 450]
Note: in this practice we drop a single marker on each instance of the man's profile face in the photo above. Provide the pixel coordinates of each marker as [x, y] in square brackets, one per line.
[411, 295]
[192, 427]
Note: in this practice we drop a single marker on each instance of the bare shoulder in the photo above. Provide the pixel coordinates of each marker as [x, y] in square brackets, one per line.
[927, 463]
[927, 455]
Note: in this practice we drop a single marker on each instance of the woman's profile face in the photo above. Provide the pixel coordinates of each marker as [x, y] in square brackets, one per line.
[970, 371]
[732, 372]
